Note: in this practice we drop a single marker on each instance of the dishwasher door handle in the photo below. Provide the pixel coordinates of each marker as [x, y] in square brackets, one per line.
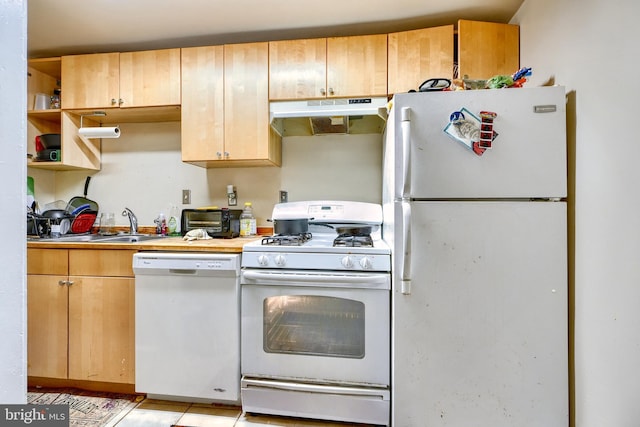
[182, 272]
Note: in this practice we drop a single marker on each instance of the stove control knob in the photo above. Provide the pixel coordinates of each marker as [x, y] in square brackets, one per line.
[280, 260]
[347, 262]
[263, 260]
[365, 263]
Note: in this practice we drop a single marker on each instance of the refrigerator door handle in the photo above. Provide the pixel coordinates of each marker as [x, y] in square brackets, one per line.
[405, 126]
[405, 273]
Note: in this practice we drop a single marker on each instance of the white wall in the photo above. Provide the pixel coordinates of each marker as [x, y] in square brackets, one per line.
[13, 103]
[143, 171]
[591, 47]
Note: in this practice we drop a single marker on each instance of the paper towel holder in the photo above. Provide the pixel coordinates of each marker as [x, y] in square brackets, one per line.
[98, 132]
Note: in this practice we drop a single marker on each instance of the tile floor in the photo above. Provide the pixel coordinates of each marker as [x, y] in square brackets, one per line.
[162, 413]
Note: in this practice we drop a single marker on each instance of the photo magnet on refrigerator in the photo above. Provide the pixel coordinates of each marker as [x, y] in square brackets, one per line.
[468, 129]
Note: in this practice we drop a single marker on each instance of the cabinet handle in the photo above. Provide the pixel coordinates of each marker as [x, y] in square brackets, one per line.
[69, 282]
[331, 91]
[120, 101]
[323, 92]
[62, 282]
[226, 154]
[113, 101]
[219, 154]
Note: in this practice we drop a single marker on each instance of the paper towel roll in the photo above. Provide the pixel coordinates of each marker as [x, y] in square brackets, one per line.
[100, 132]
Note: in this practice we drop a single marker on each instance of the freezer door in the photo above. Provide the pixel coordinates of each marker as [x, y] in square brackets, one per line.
[482, 337]
[527, 159]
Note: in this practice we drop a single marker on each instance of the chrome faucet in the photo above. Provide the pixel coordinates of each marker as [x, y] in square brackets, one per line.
[133, 221]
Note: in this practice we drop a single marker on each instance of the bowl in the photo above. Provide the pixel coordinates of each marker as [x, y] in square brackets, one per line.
[50, 141]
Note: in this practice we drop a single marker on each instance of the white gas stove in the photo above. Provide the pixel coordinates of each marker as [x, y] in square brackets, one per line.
[325, 245]
[315, 317]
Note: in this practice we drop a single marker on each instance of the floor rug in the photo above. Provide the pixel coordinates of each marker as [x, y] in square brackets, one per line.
[87, 409]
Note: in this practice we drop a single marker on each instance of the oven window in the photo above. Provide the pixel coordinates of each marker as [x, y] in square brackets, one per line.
[314, 325]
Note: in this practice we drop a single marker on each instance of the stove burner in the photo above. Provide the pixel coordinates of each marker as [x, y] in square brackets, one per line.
[353, 240]
[287, 239]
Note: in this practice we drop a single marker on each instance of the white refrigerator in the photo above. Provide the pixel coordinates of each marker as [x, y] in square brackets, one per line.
[479, 249]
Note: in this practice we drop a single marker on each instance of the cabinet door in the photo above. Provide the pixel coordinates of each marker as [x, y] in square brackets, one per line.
[101, 329]
[90, 81]
[246, 101]
[486, 49]
[47, 325]
[202, 103]
[298, 69]
[150, 78]
[418, 55]
[357, 66]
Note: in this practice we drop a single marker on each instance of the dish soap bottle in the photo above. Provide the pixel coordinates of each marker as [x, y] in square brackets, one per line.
[247, 221]
[172, 225]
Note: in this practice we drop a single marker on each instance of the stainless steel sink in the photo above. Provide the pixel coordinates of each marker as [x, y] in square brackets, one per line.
[129, 238]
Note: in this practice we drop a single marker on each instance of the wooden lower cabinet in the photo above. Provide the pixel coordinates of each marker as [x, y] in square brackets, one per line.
[101, 329]
[81, 324]
[47, 327]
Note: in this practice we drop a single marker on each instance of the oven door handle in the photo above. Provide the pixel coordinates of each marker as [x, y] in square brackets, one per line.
[360, 280]
[381, 393]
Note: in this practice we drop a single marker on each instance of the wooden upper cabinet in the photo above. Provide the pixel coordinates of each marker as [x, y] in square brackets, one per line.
[323, 68]
[90, 81]
[225, 107]
[357, 66]
[131, 79]
[298, 69]
[486, 49]
[150, 78]
[246, 101]
[202, 103]
[418, 55]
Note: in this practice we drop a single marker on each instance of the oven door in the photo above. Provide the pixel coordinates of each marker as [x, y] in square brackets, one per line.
[319, 327]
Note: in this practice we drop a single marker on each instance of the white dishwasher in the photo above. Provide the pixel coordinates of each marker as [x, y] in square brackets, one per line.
[187, 326]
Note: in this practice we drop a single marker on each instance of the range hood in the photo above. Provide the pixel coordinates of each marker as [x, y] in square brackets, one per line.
[329, 116]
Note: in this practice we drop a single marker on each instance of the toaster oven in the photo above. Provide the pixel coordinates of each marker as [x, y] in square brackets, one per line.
[220, 223]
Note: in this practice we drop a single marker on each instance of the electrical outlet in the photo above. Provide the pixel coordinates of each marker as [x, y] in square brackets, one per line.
[284, 196]
[186, 197]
